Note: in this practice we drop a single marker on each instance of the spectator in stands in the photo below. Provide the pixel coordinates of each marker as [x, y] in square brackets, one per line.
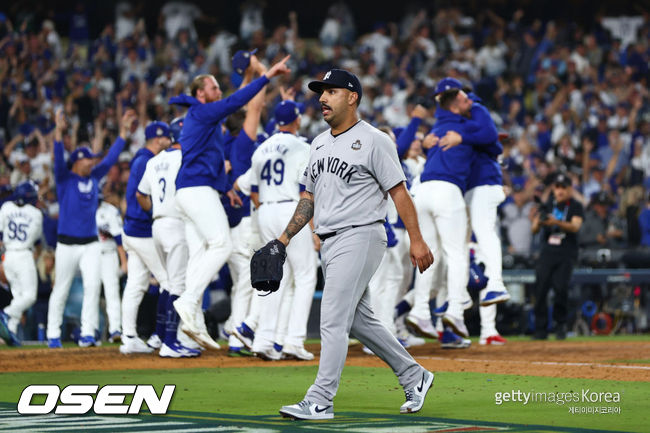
[644, 222]
[516, 222]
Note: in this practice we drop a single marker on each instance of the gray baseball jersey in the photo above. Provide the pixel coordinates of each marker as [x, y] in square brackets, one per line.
[350, 175]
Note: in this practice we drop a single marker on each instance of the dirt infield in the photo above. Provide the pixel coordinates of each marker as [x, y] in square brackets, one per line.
[588, 360]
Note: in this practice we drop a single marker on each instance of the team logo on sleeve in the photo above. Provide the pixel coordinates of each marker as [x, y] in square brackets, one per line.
[356, 145]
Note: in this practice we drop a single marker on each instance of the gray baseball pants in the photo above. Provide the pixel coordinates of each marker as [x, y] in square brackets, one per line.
[350, 259]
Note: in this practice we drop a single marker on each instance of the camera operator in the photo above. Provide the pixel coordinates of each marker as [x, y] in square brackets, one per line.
[559, 219]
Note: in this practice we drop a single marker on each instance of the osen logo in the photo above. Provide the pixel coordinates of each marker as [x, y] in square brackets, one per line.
[78, 399]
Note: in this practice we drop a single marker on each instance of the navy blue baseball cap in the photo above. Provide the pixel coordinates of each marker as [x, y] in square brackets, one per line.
[337, 78]
[448, 83]
[241, 60]
[26, 192]
[175, 127]
[286, 112]
[157, 129]
[80, 153]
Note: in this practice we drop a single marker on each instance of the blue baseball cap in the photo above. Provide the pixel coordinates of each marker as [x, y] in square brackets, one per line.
[80, 153]
[337, 78]
[241, 60]
[448, 83]
[157, 129]
[286, 112]
[175, 128]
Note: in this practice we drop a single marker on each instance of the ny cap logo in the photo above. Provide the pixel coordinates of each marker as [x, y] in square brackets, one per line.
[327, 76]
[350, 84]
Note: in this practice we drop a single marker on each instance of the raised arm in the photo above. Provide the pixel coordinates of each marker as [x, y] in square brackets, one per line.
[116, 148]
[421, 255]
[408, 135]
[61, 170]
[301, 217]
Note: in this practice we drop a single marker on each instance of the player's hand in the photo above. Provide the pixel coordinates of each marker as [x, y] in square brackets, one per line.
[421, 255]
[451, 139]
[128, 118]
[235, 200]
[316, 239]
[288, 94]
[60, 121]
[123, 269]
[420, 112]
[279, 68]
[429, 141]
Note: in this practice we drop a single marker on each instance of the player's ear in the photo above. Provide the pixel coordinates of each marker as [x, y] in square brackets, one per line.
[352, 98]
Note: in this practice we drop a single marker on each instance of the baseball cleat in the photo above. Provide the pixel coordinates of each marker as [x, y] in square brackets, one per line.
[115, 337]
[441, 310]
[449, 340]
[415, 396]
[307, 410]
[492, 340]
[205, 340]
[422, 327]
[54, 343]
[87, 341]
[245, 334]
[186, 341]
[407, 340]
[457, 324]
[367, 351]
[187, 314]
[132, 345]
[176, 350]
[297, 352]
[495, 297]
[154, 341]
[269, 354]
[237, 352]
[5, 333]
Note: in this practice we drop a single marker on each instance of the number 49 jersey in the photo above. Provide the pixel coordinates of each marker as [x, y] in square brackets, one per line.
[278, 165]
[159, 182]
[21, 226]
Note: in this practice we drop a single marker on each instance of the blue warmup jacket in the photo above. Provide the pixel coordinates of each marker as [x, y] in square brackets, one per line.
[404, 141]
[137, 222]
[485, 169]
[203, 155]
[239, 151]
[78, 195]
[454, 165]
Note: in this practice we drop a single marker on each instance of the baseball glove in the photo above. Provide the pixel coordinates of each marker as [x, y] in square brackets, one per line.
[266, 266]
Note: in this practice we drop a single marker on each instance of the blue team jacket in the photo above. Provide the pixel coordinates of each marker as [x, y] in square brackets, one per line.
[203, 156]
[485, 169]
[454, 165]
[137, 222]
[78, 195]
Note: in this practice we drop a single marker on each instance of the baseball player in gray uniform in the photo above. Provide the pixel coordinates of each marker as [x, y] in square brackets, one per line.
[352, 169]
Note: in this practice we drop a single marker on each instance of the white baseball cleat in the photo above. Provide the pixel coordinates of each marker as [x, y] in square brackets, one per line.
[415, 396]
[298, 352]
[177, 351]
[423, 327]
[186, 341]
[409, 340]
[132, 345]
[307, 410]
[154, 341]
[187, 314]
[457, 324]
[268, 354]
[203, 339]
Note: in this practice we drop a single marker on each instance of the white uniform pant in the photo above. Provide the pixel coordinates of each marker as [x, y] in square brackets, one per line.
[300, 267]
[443, 222]
[142, 260]
[69, 258]
[239, 263]
[482, 202]
[110, 275]
[169, 239]
[384, 287]
[208, 238]
[20, 271]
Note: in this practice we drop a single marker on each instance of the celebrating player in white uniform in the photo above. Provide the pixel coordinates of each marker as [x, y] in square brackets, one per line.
[200, 179]
[21, 225]
[156, 191]
[113, 261]
[77, 245]
[278, 165]
[352, 168]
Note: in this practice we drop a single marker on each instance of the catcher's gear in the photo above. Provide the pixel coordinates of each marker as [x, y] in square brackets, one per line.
[266, 266]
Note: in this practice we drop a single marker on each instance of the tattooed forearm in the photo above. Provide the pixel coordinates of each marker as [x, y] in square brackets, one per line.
[302, 215]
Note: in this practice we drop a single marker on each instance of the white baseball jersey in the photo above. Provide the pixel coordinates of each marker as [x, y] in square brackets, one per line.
[22, 226]
[109, 225]
[350, 175]
[278, 165]
[159, 182]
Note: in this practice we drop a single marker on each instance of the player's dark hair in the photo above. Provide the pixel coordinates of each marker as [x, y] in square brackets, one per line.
[198, 83]
[446, 98]
[235, 122]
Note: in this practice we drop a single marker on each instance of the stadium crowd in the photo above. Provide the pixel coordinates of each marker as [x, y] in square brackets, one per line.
[570, 98]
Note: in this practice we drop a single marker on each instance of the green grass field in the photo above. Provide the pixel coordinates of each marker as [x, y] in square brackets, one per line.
[368, 398]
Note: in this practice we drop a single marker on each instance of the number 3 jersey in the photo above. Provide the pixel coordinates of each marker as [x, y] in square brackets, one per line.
[159, 182]
[278, 165]
[22, 226]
